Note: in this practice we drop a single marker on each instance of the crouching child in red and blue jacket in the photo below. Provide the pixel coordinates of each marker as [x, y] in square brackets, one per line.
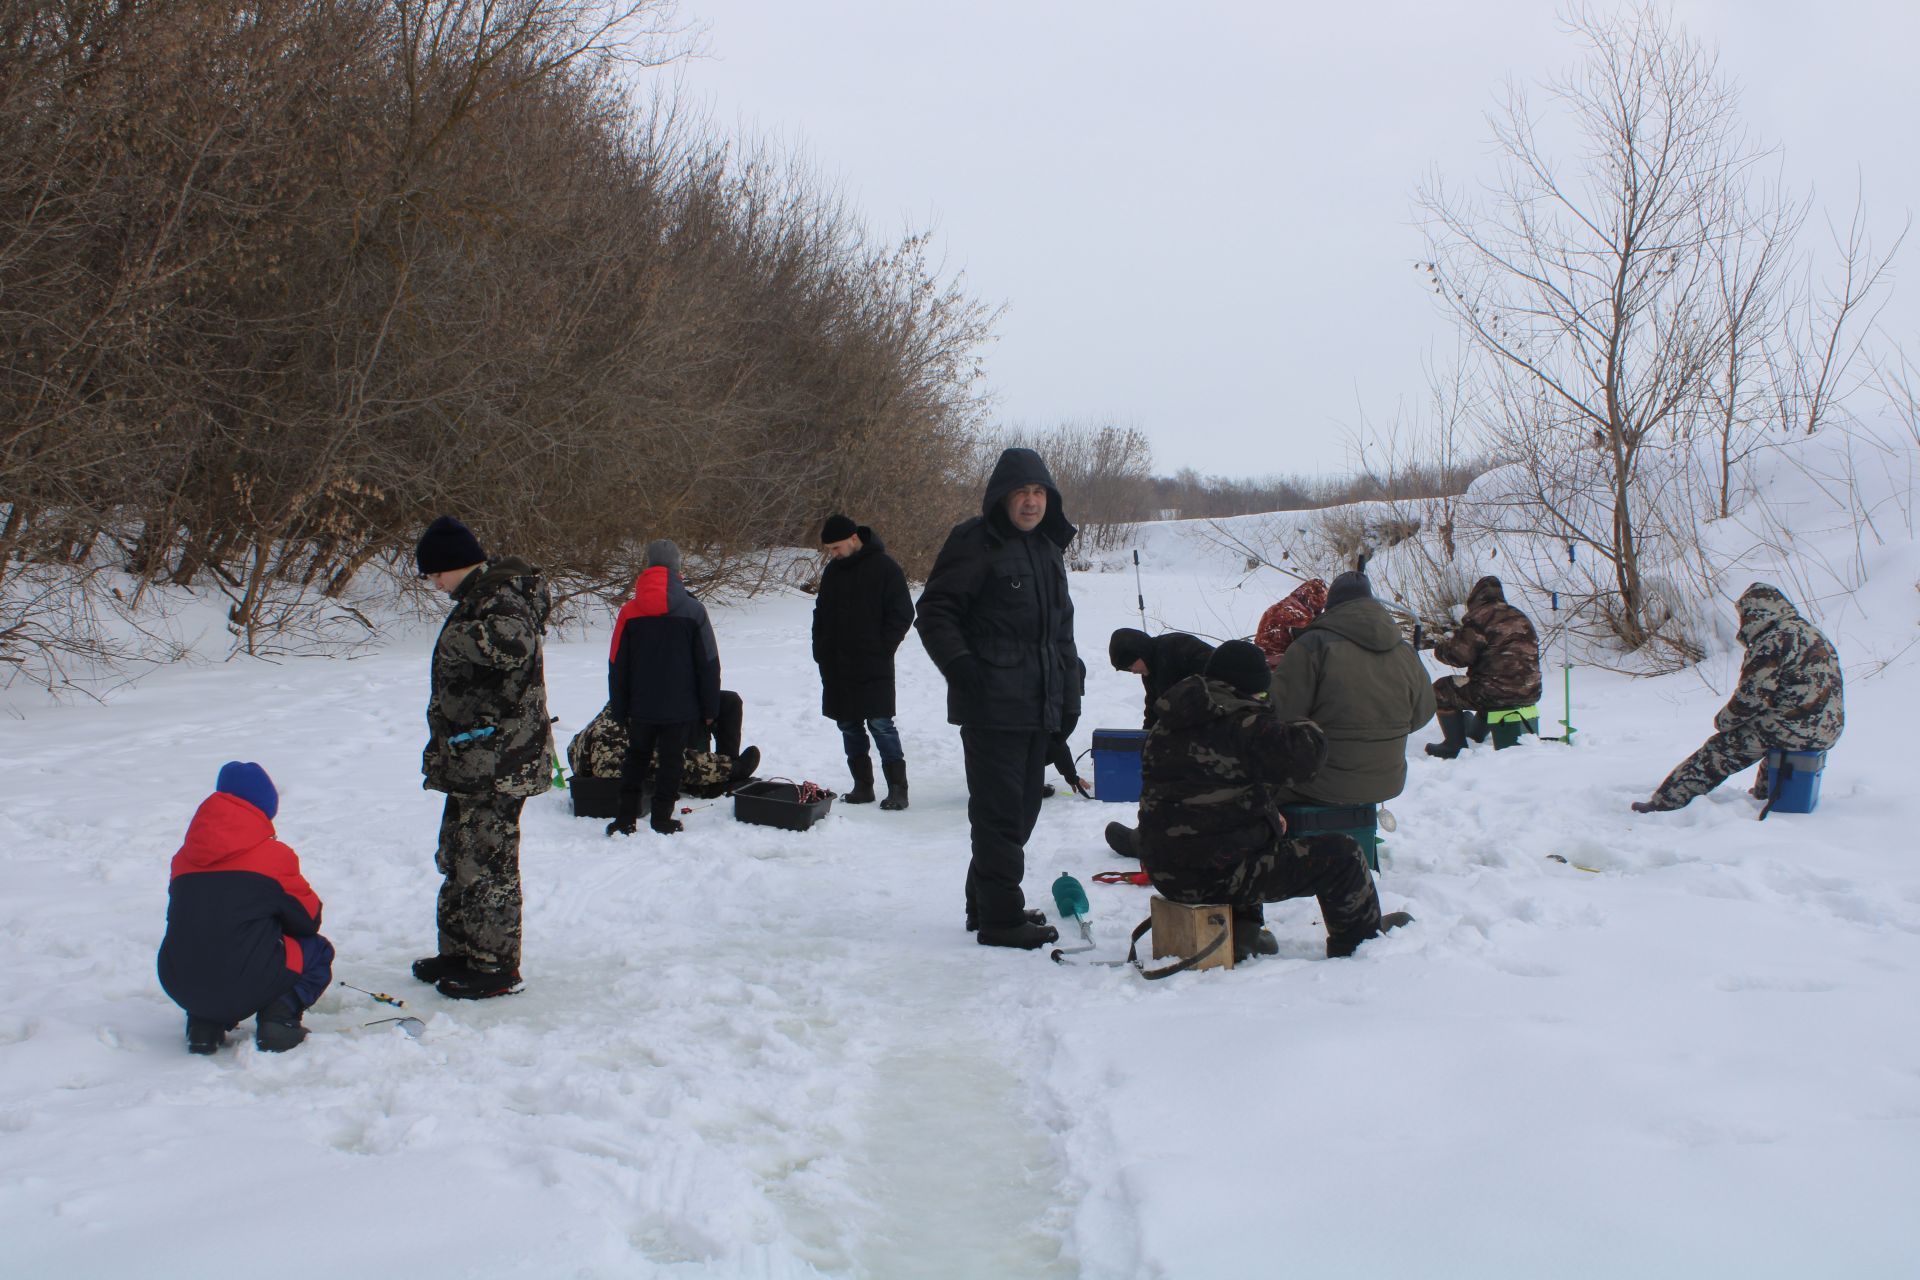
[243, 926]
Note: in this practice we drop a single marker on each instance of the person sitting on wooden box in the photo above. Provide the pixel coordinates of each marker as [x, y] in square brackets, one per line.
[1789, 698]
[1209, 828]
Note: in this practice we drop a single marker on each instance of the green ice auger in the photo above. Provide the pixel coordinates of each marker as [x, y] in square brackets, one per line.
[1071, 900]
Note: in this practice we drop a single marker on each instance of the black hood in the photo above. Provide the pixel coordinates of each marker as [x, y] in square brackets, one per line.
[1016, 469]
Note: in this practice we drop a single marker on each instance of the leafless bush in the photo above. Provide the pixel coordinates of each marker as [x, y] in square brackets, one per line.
[282, 283]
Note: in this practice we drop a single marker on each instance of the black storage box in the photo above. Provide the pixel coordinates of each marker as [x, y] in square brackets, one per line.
[594, 797]
[777, 804]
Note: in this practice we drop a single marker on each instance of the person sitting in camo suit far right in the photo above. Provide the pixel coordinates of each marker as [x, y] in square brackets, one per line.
[1789, 699]
[1209, 828]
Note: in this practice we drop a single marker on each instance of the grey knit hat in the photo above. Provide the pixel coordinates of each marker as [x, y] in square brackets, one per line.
[664, 551]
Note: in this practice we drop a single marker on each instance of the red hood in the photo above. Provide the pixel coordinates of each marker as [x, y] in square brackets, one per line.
[649, 601]
[223, 827]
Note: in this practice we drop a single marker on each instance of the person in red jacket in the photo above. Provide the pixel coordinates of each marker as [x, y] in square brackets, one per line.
[243, 925]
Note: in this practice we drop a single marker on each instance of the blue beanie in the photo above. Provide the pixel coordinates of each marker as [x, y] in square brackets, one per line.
[247, 780]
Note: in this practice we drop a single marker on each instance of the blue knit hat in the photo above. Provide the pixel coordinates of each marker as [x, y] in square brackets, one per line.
[247, 780]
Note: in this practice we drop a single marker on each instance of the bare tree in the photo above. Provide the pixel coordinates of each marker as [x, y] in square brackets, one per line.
[1620, 308]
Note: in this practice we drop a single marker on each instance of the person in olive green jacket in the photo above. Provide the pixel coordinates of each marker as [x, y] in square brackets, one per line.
[1353, 674]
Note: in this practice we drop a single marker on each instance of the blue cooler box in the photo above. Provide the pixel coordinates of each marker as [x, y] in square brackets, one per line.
[1116, 764]
[1799, 790]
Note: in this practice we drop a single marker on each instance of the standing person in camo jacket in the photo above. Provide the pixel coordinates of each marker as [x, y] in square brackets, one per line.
[860, 617]
[488, 745]
[997, 620]
[1790, 698]
[1496, 643]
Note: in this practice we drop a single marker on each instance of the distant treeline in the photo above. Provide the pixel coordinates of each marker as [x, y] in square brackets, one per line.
[280, 282]
[1192, 496]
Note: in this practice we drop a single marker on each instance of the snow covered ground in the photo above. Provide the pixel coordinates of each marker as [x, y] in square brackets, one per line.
[1691, 1049]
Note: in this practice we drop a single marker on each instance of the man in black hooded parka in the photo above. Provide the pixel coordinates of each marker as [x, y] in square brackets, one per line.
[997, 620]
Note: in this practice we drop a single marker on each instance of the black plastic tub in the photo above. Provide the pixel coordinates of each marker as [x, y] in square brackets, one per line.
[778, 804]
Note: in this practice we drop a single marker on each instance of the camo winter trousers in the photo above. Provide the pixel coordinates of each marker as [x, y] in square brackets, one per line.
[479, 909]
[1328, 867]
[1719, 758]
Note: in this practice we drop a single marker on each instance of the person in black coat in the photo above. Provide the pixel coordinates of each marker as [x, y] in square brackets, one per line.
[663, 682]
[997, 621]
[1161, 662]
[862, 613]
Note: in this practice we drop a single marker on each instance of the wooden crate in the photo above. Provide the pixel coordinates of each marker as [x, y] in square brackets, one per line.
[1182, 931]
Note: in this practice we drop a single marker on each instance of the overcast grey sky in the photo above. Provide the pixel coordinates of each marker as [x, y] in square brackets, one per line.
[1198, 216]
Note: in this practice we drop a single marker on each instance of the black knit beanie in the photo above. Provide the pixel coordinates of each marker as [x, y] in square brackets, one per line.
[838, 528]
[1127, 645]
[1241, 665]
[1349, 586]
[447, 544]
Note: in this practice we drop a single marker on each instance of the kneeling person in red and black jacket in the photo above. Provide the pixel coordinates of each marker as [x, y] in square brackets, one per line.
[243, 926]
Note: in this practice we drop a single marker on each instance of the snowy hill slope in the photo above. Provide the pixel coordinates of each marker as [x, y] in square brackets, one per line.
[1691, 1049]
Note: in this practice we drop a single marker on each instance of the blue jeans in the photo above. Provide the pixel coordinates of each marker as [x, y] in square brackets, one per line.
[853, 735]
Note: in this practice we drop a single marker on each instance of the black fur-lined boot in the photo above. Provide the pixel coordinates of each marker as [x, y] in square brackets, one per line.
[896, 772]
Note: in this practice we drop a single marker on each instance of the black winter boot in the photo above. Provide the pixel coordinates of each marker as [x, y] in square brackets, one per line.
[204, 1035]
[662, 819]
[743, 766]
[1029, 915]
[1250, 936]
[1338, 947]
[1477, 726]
[896, 771]
[431, 969]
[277, 1028]
[478, 984]
[1454, 725]
[862, 769]
[1025, 936]
[1123, 840]
[627, 820]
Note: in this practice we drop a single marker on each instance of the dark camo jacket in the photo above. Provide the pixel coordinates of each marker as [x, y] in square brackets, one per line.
[1207, 772]
[1496, 644]
[489, 683]
[1790, 688]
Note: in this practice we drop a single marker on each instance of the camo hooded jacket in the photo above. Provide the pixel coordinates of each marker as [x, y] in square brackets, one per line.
[1207, 772]
[1790, 685]
[487, 715]
[1496, 644]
